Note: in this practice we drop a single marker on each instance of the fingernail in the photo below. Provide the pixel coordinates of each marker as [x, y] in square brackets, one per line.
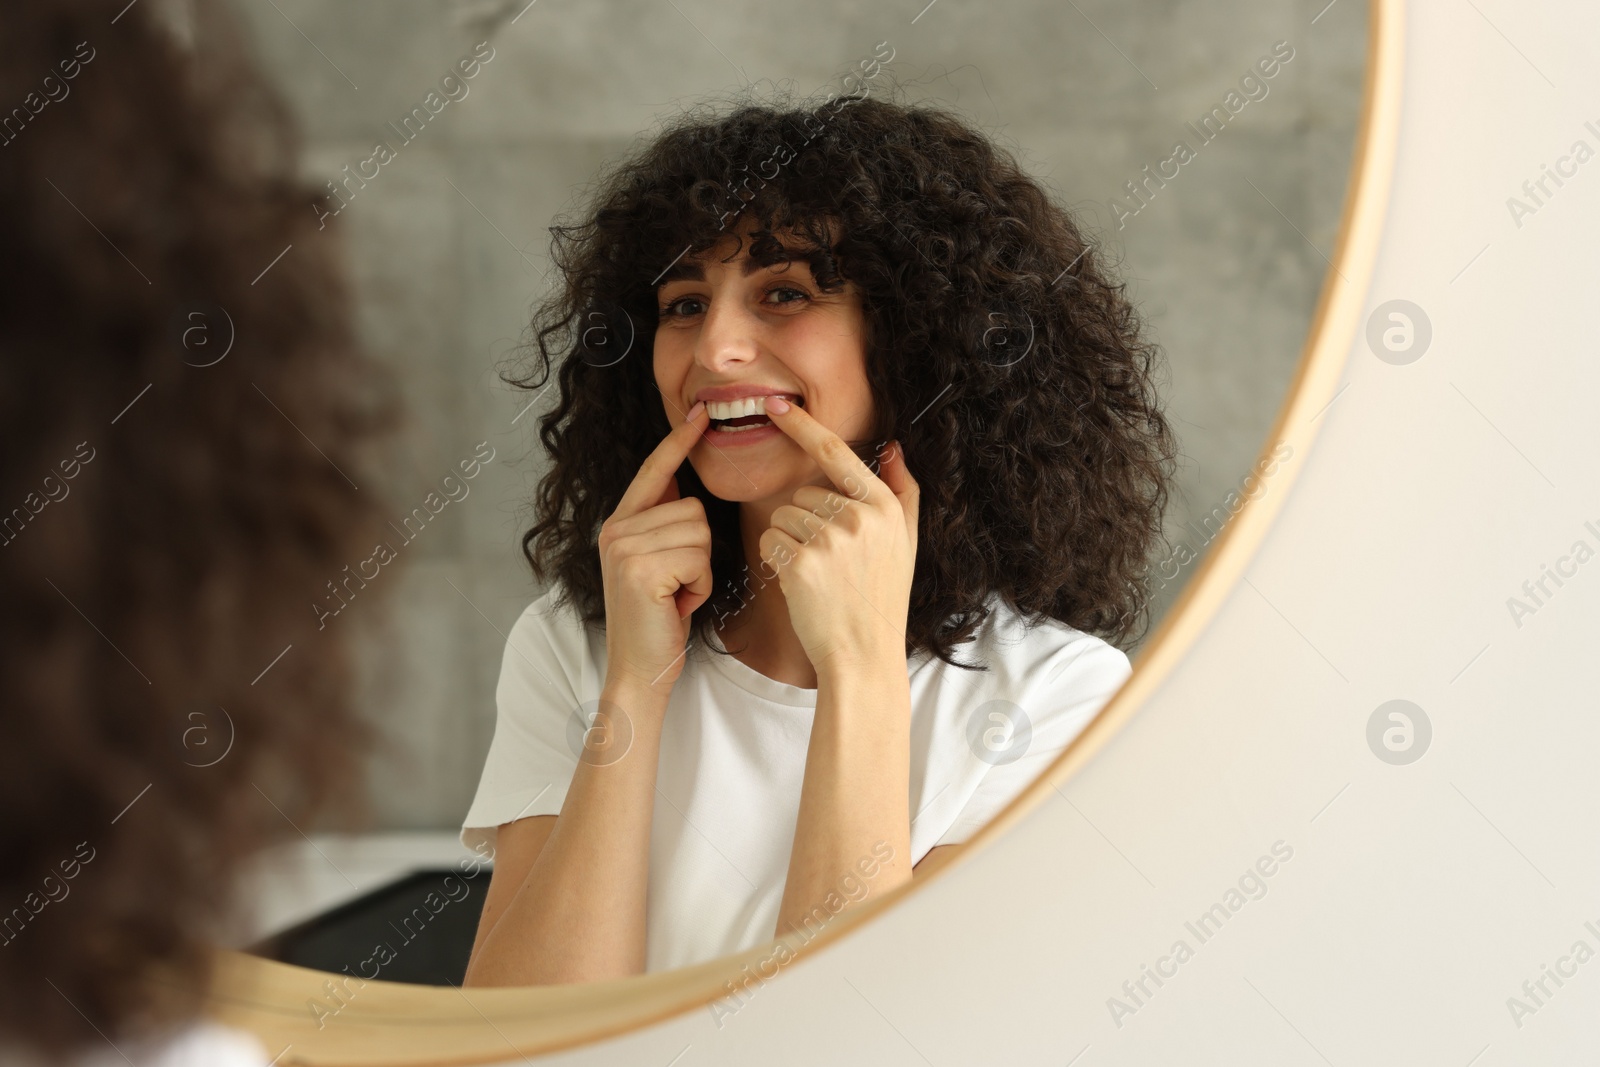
[694, 412]
[777, 404]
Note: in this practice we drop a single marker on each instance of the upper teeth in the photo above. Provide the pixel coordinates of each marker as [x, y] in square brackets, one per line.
[733, 409]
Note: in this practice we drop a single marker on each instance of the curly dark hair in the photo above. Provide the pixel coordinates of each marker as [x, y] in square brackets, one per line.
[174, 336]
[1000, 354]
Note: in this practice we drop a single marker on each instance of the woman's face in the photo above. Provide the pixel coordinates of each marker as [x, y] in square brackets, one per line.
[737, 328]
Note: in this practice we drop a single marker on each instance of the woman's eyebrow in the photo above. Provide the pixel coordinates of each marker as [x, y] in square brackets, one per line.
[693, 271]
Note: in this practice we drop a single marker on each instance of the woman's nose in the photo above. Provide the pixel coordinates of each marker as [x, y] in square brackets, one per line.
[729, 334]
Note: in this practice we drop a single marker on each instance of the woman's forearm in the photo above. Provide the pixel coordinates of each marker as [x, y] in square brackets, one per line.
[579, 914]
[855, 792]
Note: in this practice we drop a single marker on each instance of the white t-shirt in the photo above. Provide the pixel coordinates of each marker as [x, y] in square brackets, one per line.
[203, 1043]
[733, 750]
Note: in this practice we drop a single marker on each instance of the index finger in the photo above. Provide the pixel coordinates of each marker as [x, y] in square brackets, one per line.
[659, 467]
[832, 453]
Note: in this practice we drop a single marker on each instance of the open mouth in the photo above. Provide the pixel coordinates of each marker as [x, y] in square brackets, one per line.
[742, 415]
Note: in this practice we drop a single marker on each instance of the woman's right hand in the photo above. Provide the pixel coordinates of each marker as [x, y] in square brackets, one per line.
[655, 564]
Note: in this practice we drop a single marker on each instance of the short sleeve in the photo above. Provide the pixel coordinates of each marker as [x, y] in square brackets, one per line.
[1059, 696]
[544, 675]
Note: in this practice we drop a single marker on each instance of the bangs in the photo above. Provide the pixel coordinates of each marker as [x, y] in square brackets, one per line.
[778, 232]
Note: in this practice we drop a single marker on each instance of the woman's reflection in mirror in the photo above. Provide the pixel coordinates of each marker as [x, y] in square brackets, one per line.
[854, 472]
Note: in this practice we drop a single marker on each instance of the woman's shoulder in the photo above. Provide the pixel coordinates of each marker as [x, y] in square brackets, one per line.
[209, 1044]
[554, 613]
[550, 638]
[554, 605]
[203, 1043]
[1021, 649]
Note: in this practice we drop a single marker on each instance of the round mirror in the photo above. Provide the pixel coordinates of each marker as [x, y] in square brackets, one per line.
[1065, 259]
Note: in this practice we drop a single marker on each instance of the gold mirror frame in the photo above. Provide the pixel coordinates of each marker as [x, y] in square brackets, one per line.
[393, 1024]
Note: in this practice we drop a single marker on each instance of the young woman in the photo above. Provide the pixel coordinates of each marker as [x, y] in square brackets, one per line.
[835, 568]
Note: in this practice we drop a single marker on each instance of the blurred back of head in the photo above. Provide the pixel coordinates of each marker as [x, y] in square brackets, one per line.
[184, 423]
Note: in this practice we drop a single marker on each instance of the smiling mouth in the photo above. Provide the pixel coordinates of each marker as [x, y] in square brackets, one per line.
[747, 413]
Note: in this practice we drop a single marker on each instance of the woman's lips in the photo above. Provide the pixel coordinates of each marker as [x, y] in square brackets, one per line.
[723, 433]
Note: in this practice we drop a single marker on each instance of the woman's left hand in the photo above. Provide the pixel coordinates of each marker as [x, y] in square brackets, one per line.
[845, 558]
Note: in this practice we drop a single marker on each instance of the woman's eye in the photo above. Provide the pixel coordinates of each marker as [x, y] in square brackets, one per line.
[669, 310]
[789, 289]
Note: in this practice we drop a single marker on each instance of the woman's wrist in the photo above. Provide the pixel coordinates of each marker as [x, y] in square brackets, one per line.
[865, 664]
[626, 719]
[634, 697]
